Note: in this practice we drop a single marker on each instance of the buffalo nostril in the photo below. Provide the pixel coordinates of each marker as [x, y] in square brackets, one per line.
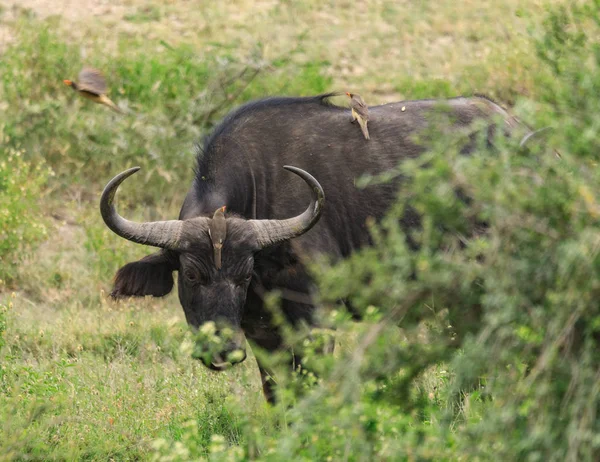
[219, 352]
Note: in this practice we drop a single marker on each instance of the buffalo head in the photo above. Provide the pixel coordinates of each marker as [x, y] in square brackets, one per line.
[207, 292]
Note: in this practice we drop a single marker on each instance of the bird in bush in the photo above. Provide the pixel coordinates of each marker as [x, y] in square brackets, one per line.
[217, 231]
[92, 85]
[360, 112]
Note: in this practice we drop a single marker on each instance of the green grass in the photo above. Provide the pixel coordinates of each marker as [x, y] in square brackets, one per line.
[82, 378]
[170, 98]
[105, 382]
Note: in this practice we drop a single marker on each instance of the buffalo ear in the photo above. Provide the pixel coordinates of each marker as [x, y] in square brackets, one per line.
[152, 275]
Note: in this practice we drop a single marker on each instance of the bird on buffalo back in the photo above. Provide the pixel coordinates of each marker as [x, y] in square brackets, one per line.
[360, 112]
[91, 84]
[217, 230]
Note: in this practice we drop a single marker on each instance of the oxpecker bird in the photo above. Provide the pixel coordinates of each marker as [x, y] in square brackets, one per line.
[360, 112]
[92, 85]
[217, 230]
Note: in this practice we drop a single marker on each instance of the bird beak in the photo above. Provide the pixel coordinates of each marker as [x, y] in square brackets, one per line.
[223, 208]
[349, 94]
[67, 82]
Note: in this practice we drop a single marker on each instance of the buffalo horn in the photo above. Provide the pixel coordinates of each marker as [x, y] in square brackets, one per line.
[164, 234]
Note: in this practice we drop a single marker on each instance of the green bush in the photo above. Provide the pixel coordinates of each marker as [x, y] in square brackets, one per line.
[483, 343]
[21, 224]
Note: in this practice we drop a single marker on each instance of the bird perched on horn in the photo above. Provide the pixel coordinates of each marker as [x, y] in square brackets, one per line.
[91, 84]
[360, 112]
[217, 230]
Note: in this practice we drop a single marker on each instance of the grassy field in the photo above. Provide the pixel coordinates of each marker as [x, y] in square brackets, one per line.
[82, 377]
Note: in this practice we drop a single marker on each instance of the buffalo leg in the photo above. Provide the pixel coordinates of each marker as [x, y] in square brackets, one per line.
[267, 376]
[260, 329]
[268, 384]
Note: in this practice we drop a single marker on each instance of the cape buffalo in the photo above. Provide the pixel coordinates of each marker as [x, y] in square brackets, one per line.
[241, 166]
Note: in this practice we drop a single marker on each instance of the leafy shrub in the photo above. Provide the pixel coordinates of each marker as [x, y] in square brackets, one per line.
[21, 225]
[478, 345]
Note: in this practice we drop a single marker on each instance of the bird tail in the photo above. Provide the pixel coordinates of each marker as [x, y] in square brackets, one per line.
[108, 102]
[363, 127]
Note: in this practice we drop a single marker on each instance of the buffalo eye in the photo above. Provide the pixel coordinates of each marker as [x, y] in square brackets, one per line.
[191, 276]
